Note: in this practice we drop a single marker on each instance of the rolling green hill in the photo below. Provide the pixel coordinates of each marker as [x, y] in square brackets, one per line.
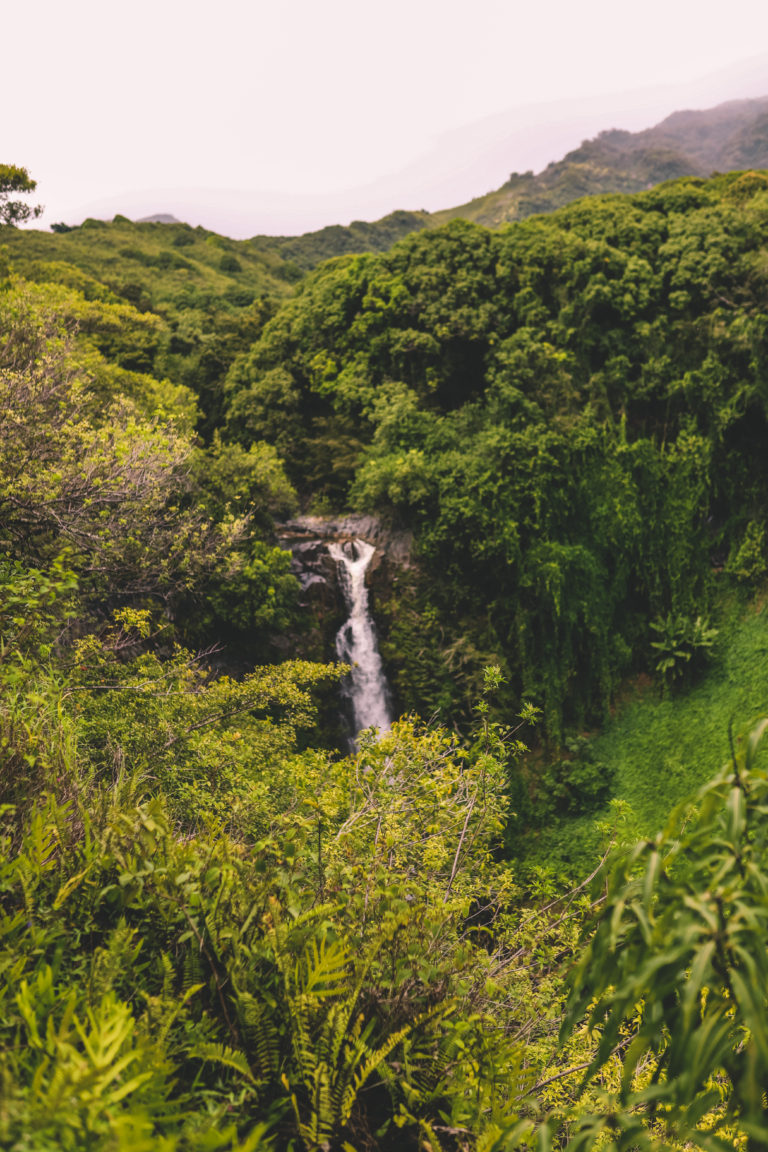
[211, 294]
[312, 248]
[688, 143]
[152, 264]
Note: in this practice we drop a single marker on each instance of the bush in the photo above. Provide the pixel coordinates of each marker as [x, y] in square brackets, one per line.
[746, 562]
[571, 786]
[684, 645]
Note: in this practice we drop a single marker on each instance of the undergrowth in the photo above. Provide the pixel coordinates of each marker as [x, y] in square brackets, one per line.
[660, 748]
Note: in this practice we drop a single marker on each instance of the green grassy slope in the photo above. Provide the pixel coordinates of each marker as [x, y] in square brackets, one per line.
[662, 750]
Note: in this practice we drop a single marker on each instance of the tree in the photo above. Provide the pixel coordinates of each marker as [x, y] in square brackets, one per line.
[16, 180]
[95, 473]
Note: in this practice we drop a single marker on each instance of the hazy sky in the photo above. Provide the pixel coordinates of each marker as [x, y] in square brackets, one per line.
[322, 97]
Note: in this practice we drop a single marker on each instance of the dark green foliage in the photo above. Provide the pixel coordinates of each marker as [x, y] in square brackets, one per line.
[430, 669]
[682, 645]
[571, 414]
[576, 784]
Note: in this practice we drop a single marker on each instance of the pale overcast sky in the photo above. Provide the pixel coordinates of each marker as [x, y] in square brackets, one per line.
[319, 111]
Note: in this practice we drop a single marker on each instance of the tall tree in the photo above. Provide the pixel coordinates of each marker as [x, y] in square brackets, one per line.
[14, 180]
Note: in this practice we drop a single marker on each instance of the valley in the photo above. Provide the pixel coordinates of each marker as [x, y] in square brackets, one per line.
[382, 677]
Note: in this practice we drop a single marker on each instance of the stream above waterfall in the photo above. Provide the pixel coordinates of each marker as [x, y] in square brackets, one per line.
[365, 689]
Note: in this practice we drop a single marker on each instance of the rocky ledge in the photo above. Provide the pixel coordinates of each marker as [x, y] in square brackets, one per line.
[390, 543]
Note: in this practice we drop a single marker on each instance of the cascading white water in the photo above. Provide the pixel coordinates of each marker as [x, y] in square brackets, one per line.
[366, 687]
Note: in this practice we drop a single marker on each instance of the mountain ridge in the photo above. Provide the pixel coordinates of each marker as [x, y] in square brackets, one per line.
[732, 135]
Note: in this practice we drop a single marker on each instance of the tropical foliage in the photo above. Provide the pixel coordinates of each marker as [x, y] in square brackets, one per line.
[569, 413]
[217, 931]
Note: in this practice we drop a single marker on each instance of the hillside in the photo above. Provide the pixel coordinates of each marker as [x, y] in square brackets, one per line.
[183, 261]
[728, 137]
[155, 263]
[694, 143]
[312, 248]
[211, 295]
[222, 933]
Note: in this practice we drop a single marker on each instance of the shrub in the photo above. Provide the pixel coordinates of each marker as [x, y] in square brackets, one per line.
[684, 645]
[746, 561]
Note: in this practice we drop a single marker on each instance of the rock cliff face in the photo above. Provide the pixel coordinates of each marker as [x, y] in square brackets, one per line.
[392, 546]
[307, 538]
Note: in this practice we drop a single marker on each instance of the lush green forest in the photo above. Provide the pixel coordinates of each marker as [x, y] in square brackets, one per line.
[217, 929]
[568, 412]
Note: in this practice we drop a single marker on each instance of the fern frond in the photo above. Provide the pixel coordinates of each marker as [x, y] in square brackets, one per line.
[368, 1060]
[229, 1057]
[168, 974]
[261, 1034]
[323, 969]
[192, 968]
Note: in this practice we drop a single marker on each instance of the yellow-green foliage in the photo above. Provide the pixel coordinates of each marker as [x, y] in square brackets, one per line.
[272, 939]
[223, 750]
[101, 460]
[161, 260]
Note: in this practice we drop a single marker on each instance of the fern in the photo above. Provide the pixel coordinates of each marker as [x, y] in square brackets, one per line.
[229, 1057]
[109, 964]
[191, 968]
[261, 1034]
[333, 1052]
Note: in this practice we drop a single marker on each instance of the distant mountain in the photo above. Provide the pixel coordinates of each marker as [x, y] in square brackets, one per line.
[730, 136]
[687, 143]
[159, 218]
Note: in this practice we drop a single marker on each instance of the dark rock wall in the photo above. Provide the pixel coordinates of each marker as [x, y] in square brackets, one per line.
[307, 539]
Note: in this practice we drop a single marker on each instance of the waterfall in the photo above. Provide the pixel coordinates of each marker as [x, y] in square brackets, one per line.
[365, 688]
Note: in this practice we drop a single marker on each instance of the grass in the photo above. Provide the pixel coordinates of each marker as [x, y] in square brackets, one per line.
[660, 751]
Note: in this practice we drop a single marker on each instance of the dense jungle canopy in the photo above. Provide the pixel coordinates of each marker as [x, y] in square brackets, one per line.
[218, 931]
